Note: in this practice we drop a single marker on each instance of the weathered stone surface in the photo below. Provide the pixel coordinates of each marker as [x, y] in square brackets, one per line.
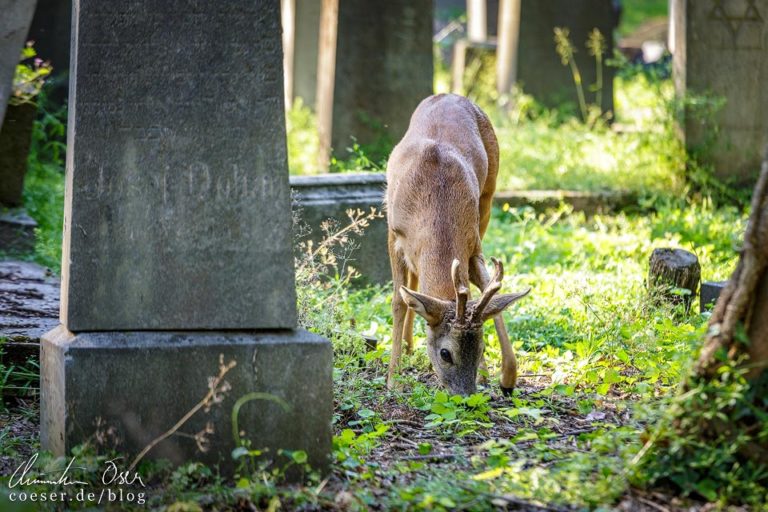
[671, 270]
[14, 25]
[721, 49]
[710, 292]
[587, 202]
[17, 232]
[29, 301]
[177, 194]
[383, 70]
[540, 70]
[126, 389]
[328, 196]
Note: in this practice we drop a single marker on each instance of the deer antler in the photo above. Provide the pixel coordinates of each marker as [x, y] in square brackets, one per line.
[493, 287]
[462, 292]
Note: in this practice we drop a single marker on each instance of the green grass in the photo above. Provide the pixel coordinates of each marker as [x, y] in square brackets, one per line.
[598, 362]
[640, 153]
[44, 184]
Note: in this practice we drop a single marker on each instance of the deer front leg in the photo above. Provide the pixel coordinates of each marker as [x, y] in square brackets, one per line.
[478, 274]
[413, 284]
[399, 309]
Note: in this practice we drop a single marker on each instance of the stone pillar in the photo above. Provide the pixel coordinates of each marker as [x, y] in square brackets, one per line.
[506, 52]
[721, 49]
[305, 48]
[14, 24]
[539, 69]
[477, 21]
[383, 70]
[326, 72]
[288, 18]
[177, 239]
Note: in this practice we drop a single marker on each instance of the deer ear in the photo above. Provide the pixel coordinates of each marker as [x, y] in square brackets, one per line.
[430, 308]
[501, 302]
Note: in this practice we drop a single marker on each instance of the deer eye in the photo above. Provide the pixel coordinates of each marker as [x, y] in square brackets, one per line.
[446, 356]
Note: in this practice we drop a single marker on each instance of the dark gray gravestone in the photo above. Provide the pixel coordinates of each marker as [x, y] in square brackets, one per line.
[710, 292]
[173, 215]
[721, 49]
[540, 70]
[383, 71]
[15, 17]
[329, 196]
[177, 238]
[51, 31]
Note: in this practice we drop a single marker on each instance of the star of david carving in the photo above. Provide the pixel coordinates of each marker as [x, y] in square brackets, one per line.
[734, 22]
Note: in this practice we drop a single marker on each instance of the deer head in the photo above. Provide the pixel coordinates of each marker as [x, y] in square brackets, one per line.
[455, 328]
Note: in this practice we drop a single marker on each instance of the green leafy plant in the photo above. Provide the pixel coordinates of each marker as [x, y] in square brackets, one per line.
[44, 182]
[30, 76]
[711, 442]
[454, 414]
[590, 112]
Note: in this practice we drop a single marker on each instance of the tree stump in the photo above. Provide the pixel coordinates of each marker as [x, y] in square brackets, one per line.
[671, 271]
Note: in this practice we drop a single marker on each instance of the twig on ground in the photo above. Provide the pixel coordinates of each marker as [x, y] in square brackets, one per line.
[651, 504]
[436, 456]
[215, 389]
[514, 500]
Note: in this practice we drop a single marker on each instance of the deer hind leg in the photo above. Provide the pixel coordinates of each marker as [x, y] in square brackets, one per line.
[413, 284]
[399, 309]
[478, 274]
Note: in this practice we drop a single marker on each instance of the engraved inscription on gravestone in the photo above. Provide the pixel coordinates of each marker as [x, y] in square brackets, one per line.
[177, 213]
[742, 22]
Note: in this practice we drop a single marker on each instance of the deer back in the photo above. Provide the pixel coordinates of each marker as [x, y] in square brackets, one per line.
[436, 177]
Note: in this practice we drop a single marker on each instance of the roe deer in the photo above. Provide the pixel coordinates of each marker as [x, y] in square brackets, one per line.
[440, 182]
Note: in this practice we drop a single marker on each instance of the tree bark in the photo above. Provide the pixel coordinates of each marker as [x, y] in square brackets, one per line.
[743, 306]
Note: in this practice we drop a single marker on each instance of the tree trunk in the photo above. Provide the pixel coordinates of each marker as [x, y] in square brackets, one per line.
[743, 306]
[712, 438]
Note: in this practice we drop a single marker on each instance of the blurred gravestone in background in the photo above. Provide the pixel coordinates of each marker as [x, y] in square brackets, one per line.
[539, 68]
[16, 227]
[721, 50]
[51, 31]
[521, 35]
[324, 197]
[15, 17]
[383, 69]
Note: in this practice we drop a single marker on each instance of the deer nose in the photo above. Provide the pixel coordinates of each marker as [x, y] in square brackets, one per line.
[464, 389]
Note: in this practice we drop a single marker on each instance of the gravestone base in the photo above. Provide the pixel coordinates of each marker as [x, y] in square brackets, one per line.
[17, 231]
[710, 292]
[123, 390]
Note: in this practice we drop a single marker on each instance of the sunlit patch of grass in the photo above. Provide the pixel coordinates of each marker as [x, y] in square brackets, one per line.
[639, 153]
[595, 354]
